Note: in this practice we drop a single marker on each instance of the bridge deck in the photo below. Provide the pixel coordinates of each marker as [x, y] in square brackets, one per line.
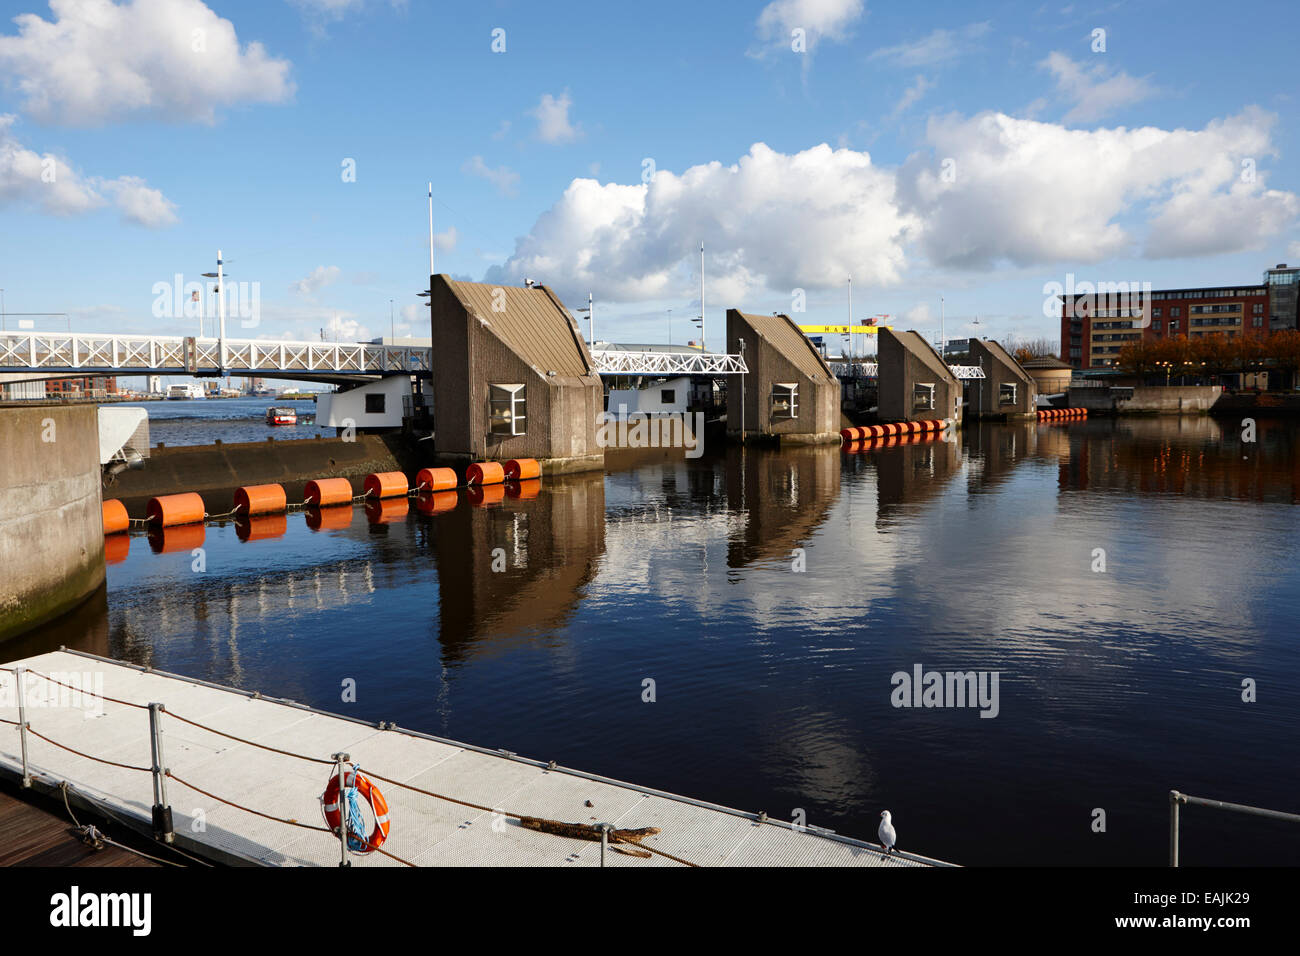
[426, 830]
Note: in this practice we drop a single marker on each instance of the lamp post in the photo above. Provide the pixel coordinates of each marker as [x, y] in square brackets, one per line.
[219, 275]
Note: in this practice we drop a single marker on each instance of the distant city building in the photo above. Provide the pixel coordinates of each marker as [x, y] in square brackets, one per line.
[1051, 376]
[86, 386]
[1093, 332]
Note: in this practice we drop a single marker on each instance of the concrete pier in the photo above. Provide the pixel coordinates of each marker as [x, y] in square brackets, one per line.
[235, 800]
[51, 527]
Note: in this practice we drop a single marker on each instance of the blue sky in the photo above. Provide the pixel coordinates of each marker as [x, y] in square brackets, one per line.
[1167, 156]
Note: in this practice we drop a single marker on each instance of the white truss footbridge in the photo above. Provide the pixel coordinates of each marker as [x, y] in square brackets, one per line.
[872, 370]
[54, 354]
[619, 362]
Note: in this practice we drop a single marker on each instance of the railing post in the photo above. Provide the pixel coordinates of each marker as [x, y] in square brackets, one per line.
[339, 760]
[604, 841]
[1175, 798]
[20, 674]
[162, 811]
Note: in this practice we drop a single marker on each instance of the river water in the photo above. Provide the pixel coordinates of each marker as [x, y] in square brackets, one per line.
[1122, 579]
[205, 420]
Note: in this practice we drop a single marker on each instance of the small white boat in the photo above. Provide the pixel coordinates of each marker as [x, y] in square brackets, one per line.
[180, 392]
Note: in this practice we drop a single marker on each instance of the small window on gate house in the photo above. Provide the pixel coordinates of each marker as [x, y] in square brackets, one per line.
[785, 400]
[667, 396]
[1007, 393]
[922, 396]
[507, 408]
[375, 404]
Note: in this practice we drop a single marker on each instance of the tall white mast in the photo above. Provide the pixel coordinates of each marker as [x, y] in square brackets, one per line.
[703, 347]
[431, 232]
[850, 318]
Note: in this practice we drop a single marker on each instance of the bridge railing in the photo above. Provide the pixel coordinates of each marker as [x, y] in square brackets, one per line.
[619, 362]
[96, 353]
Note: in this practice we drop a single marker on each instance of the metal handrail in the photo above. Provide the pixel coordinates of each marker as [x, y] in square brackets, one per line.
[1177, 799]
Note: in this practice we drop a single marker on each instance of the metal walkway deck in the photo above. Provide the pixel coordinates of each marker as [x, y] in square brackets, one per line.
[426, 831]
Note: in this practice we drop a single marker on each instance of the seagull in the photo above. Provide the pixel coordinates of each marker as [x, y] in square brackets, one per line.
[886, 832]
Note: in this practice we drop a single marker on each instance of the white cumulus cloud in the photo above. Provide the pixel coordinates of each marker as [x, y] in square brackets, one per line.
[784, 221]
[987, 190]
[48, 182]
[316, 280]
[1029, 192]
[1094, 91]
[505, 179]
[96, 61]
[552, 114]
[830, 19]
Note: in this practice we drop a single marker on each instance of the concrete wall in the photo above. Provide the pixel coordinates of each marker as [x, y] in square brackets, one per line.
[214, 471]
[905, 359]
[1147, 400]
[51, 528]
[1000, 369]
[818, 418]
[562, 411]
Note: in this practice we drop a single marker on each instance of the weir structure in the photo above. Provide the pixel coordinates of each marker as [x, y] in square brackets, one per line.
[789, 394]
[1006, 390]
[916, 384]
[512, 377]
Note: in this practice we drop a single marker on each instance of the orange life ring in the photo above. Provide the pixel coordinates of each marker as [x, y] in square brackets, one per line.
[332, 806]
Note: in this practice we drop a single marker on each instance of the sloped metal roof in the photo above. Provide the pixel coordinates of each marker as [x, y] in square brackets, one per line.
[532, 322]
[789, 340]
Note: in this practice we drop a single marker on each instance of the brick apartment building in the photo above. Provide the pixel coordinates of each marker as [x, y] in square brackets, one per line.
[1094, 330]
[81, 386]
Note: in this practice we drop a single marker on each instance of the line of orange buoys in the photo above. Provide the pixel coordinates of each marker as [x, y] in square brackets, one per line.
[179, 522]
[1061, 414]
[929, 426]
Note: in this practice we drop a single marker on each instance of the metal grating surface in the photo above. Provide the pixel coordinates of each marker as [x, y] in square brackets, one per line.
[426, 831]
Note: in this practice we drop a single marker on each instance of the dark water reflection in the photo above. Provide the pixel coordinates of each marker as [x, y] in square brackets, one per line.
[772, 685]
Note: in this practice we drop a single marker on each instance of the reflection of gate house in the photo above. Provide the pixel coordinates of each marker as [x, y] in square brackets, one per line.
[790, 392]
[1006, 390]
[915, 384]
[512, 377]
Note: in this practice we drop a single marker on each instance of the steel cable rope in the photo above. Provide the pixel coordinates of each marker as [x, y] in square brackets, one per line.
[90, 831]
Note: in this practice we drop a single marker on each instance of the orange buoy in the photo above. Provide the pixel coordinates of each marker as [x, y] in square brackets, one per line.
[482, 495]
[116, 547]
[485, 473]
[521, 469]
[385, 484]
[331, 518]
[260, 526]
[167, 538]
[435, 479]
[437, 503]
[847, 434]
[170, 510]
[386, 510]
[327, 491]
[115, 517]
[260, 499]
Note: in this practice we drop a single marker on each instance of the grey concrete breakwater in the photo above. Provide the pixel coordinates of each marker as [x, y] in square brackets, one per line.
[1147, 400]
[51, 529]
[214, 471]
